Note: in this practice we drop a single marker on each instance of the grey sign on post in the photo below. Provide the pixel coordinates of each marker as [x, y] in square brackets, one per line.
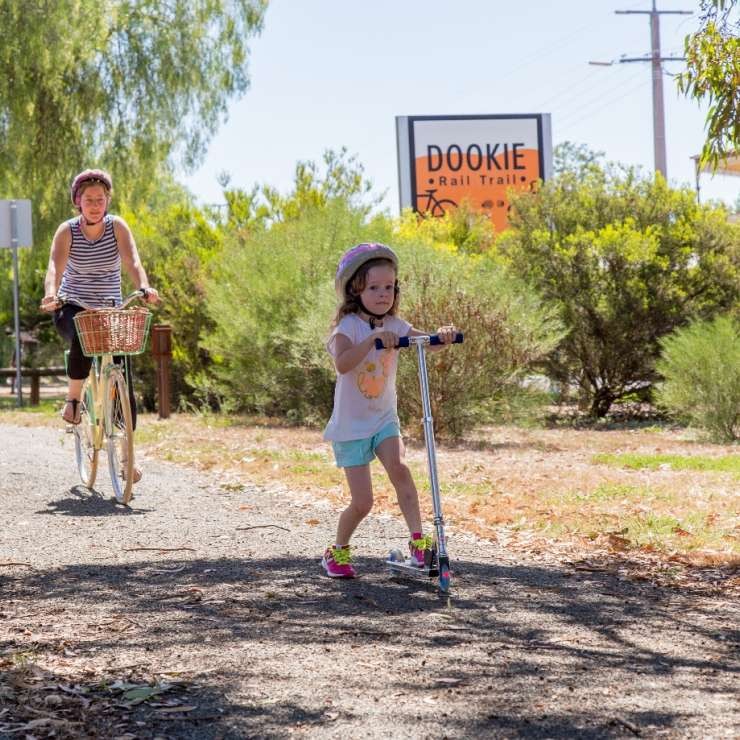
[23, 223]
[16, 231]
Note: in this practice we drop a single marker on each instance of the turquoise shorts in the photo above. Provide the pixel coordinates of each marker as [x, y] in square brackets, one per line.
[362, 451]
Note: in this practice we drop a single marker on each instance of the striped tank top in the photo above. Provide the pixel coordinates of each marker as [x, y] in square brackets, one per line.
[93, 272]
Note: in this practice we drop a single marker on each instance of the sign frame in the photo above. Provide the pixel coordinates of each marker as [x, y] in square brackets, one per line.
[406, 146]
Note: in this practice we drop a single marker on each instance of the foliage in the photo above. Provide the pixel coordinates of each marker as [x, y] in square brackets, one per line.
[506, 330]
[701, 368]
[280, 252]
[270, 354]
[271, 302]
[713, 74]
[461, 228]
[625, 260]
[179, 247]
[129, 85]
[575, 159]
[343, 178]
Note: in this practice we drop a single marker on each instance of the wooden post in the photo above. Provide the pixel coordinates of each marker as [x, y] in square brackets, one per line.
[162, 351]
[35, 388]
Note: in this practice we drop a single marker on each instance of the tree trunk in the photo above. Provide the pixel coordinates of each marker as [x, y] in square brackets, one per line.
[602, 402]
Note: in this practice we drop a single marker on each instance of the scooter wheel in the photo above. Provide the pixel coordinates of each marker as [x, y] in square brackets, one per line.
[395, 556]
[444, 580]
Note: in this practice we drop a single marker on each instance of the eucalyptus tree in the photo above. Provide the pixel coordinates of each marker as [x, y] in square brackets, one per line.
[134, 86]
[713, 75]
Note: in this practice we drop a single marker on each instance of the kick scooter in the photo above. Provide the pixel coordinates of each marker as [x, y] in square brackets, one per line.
[436, 560]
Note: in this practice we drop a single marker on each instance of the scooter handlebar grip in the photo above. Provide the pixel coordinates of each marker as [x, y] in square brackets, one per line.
[402, 342]
[433, 339]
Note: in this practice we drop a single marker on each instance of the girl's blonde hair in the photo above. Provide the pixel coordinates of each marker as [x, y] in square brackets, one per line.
[355, 286]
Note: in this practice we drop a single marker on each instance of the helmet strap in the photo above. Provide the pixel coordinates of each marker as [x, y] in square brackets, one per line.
[374, 317]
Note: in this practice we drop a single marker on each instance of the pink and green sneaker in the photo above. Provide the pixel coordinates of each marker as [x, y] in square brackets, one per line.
[418, 546]
[337, 562]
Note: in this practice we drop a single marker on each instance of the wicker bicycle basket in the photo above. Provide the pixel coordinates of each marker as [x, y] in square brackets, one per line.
[112, 330]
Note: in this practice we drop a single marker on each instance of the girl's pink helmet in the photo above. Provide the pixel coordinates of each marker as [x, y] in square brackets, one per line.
[353, 259]
[89, 176]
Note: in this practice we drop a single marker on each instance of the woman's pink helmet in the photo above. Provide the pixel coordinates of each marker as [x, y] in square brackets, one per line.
[353, 259]
[89, 176]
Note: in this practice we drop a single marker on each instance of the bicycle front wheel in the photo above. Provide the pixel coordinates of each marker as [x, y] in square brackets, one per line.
[441, 207]
[119, 432]
[87, 437]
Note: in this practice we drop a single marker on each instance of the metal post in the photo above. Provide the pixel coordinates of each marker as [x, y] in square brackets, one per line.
[697, 169]
[658, 107]
[16, 309]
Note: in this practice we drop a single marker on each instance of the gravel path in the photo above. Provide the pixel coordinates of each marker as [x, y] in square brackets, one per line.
[198, 599]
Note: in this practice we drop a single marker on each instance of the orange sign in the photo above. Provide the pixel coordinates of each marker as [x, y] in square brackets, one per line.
[445, 160]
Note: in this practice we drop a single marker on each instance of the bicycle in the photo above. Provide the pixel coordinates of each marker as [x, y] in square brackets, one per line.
[105, 409]
[434, 206]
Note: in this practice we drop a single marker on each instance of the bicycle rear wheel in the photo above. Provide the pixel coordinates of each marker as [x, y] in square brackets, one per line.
[86, 436]
[119, 432]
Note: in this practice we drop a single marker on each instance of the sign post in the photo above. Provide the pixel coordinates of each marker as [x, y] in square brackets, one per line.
[16, 231]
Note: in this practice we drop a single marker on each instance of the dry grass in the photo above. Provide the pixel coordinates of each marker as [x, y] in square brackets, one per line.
[653, 495]
[569, 489]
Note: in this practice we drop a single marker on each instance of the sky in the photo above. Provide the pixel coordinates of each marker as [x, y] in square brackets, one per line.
[327, 74]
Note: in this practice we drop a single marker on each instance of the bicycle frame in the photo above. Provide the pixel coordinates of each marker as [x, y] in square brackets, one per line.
[99, 372]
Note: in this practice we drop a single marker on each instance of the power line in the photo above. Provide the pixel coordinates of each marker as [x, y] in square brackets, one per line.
[570, 120]
[556, 45]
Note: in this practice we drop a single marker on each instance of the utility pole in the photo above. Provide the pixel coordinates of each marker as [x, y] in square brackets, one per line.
[655, 59]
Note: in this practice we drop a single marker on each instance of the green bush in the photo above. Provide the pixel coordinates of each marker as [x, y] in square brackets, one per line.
[178, 248]
[701, 368]
[272, 302]
[626, 260]
[506, 332]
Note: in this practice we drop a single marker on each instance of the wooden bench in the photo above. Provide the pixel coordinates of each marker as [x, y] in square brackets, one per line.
[35, 373]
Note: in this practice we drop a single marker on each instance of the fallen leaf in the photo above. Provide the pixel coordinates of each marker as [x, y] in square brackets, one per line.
[184, 708]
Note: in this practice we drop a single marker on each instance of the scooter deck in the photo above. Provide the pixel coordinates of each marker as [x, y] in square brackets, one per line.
[431, 571]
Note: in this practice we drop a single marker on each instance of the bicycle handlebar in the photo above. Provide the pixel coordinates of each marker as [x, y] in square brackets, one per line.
[140, 293]
[432, 339]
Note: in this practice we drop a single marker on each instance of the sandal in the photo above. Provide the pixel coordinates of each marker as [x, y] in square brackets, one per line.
[75, 418]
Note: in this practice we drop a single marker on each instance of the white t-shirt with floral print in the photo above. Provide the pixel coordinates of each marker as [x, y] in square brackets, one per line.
[365, 397]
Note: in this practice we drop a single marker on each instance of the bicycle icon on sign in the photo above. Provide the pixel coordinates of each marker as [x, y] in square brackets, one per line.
[434, 206]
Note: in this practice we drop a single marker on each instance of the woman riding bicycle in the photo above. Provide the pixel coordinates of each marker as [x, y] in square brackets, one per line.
[87, 253]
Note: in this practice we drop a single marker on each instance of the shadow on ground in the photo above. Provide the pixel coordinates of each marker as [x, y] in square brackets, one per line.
[484, 657]
[82, 501]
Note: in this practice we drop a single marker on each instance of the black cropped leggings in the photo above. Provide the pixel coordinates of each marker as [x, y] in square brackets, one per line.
[78, 366]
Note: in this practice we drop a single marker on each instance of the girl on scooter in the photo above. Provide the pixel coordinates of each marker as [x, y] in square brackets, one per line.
[364, 423]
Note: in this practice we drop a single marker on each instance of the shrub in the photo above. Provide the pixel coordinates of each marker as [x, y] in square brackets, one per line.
[506, 332]
[626, 260]
[178, 248]
[701, 368]
[272, 303]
